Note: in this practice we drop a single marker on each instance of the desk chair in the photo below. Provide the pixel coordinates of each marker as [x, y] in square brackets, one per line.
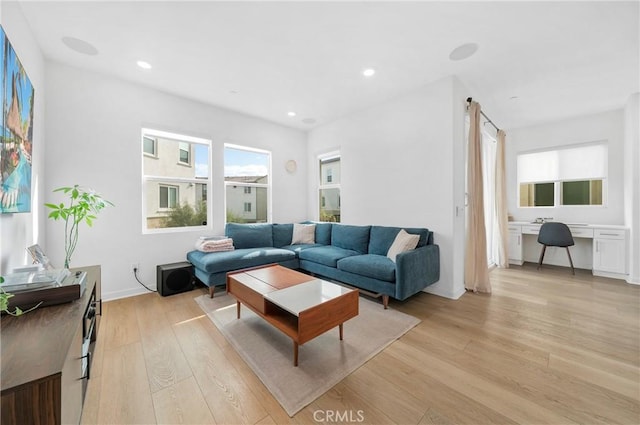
[555, 234]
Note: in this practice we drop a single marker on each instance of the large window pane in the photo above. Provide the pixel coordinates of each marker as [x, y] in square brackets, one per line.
[536, 195]
[329, 187]
[330, 205]
[243, 207]
[330, 171]
[247, 184]
[175, 205]
[586, 192]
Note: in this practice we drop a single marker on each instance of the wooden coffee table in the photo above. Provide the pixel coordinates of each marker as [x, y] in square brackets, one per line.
[301, 306]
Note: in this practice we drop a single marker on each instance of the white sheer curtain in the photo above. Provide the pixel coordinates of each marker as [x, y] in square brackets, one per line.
[501, 230]
[489, 185]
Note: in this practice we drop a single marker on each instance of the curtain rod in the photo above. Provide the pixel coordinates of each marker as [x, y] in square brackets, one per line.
[483, 114]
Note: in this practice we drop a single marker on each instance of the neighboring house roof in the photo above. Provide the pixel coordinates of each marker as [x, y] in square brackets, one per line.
[246, 179]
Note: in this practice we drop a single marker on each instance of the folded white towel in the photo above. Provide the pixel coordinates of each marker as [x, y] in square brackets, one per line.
[206, 248]
[205, 245]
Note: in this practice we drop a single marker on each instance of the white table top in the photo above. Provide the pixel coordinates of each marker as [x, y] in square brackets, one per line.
[298, 298]
[593, 226]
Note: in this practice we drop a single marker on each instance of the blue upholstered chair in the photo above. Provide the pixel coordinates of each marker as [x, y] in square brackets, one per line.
[555, 234]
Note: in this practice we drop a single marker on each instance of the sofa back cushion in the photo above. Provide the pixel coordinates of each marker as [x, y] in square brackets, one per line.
[323, 233]
[282, 234]
[355, 238]
[382, 237]
[250, 235]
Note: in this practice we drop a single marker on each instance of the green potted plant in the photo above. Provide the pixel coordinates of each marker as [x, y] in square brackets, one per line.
[84, 205]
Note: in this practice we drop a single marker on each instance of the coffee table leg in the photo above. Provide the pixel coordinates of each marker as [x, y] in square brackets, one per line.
[340, 326]
[295, 353]
[238, 308]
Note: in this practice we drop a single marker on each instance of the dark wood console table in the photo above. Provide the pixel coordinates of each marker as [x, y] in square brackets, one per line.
[42, 358]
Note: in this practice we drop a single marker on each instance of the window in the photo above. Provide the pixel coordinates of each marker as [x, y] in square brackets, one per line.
[184, 153]
[329, 187]
[174, 196]
[572, 175]
[149, 145]
[247, 184]
[168, 196]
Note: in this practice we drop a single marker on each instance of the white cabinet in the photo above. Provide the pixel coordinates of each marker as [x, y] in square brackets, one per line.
[609, 252]
[515, 245]
[609, 246]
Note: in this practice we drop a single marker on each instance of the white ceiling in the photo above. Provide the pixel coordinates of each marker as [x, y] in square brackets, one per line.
[561, 59]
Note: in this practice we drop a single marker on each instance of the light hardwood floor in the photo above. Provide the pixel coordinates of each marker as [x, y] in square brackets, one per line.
[545, 347]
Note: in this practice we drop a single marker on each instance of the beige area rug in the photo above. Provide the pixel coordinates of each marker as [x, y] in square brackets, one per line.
[323, 362]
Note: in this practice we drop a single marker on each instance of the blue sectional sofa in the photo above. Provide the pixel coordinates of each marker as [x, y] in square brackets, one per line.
[355, 255]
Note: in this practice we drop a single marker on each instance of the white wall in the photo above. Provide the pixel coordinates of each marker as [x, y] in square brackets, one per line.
[399, 166]
[18, 231]
[604, 126]
[93, 128]
[632, 184]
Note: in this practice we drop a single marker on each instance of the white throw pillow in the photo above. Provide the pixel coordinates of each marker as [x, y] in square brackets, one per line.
[303, 234]
[403, 242]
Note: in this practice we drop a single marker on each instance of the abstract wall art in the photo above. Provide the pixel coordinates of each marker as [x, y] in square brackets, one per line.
[16, 132]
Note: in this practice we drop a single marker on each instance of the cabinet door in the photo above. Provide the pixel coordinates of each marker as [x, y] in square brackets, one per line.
[609, 255]
[72, 382]
[515, 247]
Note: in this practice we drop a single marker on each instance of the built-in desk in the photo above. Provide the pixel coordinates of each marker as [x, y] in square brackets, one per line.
[598, 247]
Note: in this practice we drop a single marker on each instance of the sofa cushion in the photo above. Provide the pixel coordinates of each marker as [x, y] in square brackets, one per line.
[323, 231]
[370, 265]
[326, 255]
[355, 238]
[282, 234]
[250, 235]
[403, 242]
[303, 234]
[216, 262]
[381, 238]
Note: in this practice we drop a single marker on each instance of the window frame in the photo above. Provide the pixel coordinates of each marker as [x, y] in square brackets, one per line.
[168, 180]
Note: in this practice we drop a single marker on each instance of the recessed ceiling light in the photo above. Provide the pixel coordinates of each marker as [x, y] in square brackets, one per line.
[144, 65]
[513, 98]
[80, 46]
[463, 52]
[291, 114]
[368, 72]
